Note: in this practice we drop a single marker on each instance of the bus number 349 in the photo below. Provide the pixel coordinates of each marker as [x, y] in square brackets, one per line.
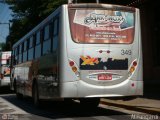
[126, 52]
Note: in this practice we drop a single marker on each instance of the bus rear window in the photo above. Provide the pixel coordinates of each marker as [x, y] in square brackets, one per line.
[102, 26]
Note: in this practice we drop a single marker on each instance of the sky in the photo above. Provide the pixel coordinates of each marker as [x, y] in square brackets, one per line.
[5, 16]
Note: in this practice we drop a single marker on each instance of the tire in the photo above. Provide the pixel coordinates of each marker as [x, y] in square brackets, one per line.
[90, 102]
[35, 95]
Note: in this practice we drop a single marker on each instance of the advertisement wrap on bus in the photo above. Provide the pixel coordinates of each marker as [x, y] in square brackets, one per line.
[102, 26]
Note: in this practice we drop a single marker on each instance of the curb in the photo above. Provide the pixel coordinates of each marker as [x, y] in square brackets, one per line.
[132, 107]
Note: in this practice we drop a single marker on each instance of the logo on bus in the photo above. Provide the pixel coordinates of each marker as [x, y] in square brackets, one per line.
[103, 19]
[89, 60]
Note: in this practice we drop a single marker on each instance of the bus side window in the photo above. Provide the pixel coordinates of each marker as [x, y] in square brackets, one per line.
[30, 48]
[55, 34]
[47, 40]
[20, 53]
[22, 50]
[55, 27]
[38, 45]
[25, 51]
[34, 44]
[17, 53]
[46, 32]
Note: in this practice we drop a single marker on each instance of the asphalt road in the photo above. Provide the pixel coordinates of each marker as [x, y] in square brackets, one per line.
[24, 109]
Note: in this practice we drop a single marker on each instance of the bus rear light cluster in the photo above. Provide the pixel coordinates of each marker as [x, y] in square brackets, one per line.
[74, 67]
[135, 63]
[132, 67]
[100, 51]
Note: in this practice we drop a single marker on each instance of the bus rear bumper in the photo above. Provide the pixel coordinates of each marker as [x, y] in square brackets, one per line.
[80, 89]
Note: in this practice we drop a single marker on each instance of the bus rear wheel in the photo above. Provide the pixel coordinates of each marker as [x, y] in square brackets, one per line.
[90, 102]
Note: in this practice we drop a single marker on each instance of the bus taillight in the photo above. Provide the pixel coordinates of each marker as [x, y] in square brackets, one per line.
[71, 63]
[135, 63]
[74, 67]
[132, 67]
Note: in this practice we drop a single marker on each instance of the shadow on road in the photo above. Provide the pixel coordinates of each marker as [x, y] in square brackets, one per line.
[5, 90]
[56, 110]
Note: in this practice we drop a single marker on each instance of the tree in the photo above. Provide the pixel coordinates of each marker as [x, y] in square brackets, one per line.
[27, 14]
[2, 46]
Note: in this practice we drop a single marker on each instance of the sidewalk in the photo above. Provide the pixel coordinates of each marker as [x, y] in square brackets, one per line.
[149, 106]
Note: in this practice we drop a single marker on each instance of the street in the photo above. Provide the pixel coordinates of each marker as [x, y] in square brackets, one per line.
[12, 108]
[56, 110]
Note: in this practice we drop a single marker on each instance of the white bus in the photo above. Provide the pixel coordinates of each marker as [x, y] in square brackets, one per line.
[5, 58]
[81, 51]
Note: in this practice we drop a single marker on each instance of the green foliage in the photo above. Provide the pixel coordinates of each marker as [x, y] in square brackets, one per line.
[2, 46]
[27, 14]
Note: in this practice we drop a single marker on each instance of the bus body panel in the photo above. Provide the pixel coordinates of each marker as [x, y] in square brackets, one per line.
[69, 89]
[126, 85]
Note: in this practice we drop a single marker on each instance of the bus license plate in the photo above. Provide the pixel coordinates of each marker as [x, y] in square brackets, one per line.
[104, 77]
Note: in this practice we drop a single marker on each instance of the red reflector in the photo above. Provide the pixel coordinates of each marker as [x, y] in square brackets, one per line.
[105, 77]
[108, 51]
[71, 63]
[100, 51]
[135, 63]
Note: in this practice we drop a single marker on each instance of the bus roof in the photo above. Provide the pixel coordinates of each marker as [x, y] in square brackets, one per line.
[85, 5]
[95, 5]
